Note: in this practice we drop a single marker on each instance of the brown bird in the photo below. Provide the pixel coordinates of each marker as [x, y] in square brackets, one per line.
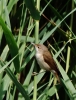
[45, 59]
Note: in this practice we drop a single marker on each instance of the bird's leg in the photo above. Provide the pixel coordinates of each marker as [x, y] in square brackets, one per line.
[35, 73]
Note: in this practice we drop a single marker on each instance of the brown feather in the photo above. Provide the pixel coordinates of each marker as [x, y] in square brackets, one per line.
[50, 61]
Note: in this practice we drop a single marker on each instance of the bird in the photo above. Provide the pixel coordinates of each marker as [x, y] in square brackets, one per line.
[45, 60]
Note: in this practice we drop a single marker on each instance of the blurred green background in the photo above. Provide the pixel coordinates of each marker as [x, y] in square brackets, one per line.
[49, 22]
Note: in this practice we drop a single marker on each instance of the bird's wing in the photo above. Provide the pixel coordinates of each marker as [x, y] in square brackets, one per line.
[49, 59]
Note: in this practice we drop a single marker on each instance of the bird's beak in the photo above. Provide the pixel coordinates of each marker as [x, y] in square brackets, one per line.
[33, 44]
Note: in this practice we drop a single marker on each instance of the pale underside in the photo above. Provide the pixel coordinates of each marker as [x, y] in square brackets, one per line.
[42, 63]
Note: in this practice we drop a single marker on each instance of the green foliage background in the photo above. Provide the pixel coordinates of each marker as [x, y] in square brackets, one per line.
[49, 22]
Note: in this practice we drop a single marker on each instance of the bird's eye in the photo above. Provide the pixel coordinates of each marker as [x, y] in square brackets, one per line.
[38, 46]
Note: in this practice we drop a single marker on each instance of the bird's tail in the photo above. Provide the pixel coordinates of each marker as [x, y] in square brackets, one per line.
[58, 78]
[56, 75]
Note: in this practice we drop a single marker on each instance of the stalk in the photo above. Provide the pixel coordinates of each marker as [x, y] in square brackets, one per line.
[36, 41]
[69, 49]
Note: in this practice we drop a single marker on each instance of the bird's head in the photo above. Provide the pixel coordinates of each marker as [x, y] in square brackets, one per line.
[40, 48]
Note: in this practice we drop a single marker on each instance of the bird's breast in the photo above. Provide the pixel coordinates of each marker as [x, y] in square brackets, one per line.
[41, 62]
[39, 58]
